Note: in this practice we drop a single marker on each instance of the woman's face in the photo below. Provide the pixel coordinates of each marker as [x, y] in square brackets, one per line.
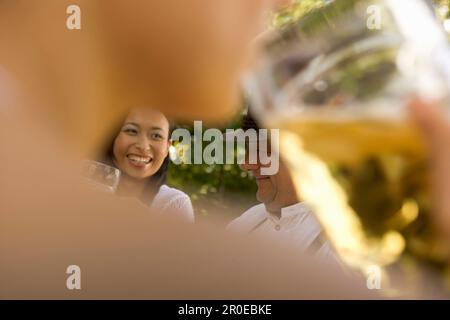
[142, 144]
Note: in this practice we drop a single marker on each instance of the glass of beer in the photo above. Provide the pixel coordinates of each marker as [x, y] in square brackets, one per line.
[336, 82]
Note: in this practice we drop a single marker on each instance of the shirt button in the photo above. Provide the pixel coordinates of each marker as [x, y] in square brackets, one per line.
[277, 227]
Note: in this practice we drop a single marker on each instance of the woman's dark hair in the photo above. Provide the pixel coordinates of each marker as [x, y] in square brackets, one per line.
[155, 181]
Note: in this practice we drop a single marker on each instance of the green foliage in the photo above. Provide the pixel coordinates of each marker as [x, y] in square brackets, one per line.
[295, 11]
[215, 188]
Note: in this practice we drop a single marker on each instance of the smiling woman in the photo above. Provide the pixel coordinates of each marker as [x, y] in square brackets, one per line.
[142, 144]
[140, 151]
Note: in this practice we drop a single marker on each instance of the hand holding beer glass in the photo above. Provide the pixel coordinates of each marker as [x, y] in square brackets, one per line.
[336, 83]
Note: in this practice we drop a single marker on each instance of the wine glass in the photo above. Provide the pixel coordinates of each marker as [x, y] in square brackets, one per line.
[100, 176]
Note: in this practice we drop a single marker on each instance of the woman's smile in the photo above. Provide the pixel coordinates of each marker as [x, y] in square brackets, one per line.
[142, 144]
[139, 161]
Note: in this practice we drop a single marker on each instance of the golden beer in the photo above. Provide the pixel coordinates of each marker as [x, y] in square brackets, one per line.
[368, 183]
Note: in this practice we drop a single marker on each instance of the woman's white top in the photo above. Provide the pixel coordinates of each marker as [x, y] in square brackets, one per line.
[174, 202]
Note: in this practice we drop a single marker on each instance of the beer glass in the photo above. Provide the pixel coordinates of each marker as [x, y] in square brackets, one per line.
[336, 83]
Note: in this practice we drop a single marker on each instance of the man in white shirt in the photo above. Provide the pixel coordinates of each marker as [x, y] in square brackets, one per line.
[280, 216]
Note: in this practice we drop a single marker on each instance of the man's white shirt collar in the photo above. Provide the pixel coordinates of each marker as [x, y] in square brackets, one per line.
[290, 212]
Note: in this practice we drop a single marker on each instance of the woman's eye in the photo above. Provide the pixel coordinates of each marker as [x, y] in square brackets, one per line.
[130, 131]
[157, 136]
